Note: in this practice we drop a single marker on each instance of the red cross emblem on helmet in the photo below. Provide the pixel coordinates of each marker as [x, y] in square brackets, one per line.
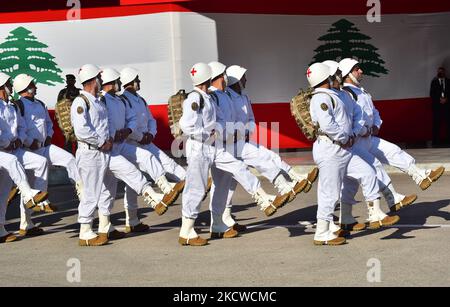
[308, 73]
[193, 72]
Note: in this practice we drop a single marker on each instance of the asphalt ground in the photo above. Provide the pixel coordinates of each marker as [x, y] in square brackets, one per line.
[275, 251]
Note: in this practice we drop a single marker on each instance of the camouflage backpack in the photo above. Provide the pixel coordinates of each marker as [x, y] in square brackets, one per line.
[62, 115]
[300, 111]
[175, 110]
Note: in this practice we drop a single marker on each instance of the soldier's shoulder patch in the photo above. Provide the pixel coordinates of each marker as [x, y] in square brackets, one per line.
[324, 106]
[195, 106]
[80, 110]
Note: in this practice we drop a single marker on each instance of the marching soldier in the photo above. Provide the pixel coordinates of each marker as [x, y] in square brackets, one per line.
[251, 154]
[199, 123]
[384, 151]
[96, 163]
[13, 131]
[143, 135]
[360, 170]
[244, 122]
[331, 150]
[40, 131]
[122, 122]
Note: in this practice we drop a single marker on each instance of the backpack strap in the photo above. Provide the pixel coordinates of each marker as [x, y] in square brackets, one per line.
[331, 97]
[349, 90]
[86, 100]
[215, 97]
[202, 101]
[18, 105]
[125, 100]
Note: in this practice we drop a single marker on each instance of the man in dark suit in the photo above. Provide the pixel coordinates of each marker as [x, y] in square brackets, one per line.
[440, 93]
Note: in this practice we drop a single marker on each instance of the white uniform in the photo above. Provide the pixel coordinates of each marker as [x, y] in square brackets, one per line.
[13, 127]
[384, 151]
[359, 172]
[92, 131]
[121, 116]
[230, 117]
[145, 123]
[39, 127]
[331, 118]
[199, 123]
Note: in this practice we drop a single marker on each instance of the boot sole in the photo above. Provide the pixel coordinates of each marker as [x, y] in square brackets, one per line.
[378, 225]
[184, 242]
[352, 227]
[314, 173]
[282, 200]
[226, 235]
[401, 205]
[83, 243]
[334, 242]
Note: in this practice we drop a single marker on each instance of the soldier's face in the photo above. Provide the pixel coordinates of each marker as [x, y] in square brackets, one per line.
[244, 81]
[70, 82]
[358, 73]
[32, 89]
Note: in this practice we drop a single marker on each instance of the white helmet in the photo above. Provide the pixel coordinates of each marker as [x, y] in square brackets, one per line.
[21, 82]
[333, 65]
[317, 73]
[216, 69]
[110, 75]
[200, 73]
[346, 66]
[128, 75]
[88, 72]
[235, 74]
[3, 78]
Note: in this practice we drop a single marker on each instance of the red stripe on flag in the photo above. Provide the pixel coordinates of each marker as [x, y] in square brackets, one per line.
[404, 121]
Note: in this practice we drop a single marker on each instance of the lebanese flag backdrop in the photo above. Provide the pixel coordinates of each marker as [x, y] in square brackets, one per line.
[275, 40]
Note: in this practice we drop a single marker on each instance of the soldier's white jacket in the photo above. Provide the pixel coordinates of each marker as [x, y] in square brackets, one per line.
[120, 115]
[145, 122]
[198, 120]
[330, 115]
[12, 124]
[371, 116]
[226, 114]
[38, 122]
[354, 111]
[243, 110]
[90, 124]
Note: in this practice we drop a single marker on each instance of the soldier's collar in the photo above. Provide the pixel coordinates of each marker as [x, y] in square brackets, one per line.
[134, 93]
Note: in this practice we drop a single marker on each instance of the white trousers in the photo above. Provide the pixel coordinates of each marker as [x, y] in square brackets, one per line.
[384, 152]
[251, 154]
[201, 157]
[360, 173]
[169, 166]
[5, 187]
[59, 157]
[10, 171]
[36, 167]
[97, 170]
[332, 161]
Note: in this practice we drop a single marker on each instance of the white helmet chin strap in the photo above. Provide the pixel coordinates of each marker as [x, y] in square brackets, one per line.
[353, 79]
[339, 79]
